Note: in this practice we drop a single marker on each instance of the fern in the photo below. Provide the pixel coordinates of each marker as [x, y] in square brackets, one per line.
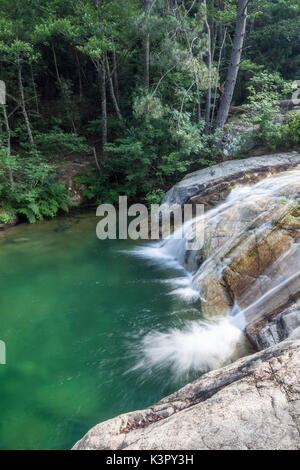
[34, 195]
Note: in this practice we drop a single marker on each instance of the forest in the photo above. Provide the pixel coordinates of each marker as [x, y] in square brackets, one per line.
[141, 90]
[149, 227]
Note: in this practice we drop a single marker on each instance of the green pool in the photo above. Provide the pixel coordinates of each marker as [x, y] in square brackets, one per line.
[73, 311]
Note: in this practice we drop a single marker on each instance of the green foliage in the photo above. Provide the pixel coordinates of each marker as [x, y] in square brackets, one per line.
[40, 202]
[4, 217]
[155, 197]
[33, 193]
[274, 41]
[160, 147]
[147, 107]
[93, 183]
[271, 84]
[262, 109]
[60, 48]
[56, 141]
[289, 134]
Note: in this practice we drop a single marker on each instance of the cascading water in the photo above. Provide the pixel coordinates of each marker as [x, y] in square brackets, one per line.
[248, 218]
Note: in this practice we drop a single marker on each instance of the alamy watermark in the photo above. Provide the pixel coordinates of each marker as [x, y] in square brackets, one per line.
[165, 221]
[2, 353]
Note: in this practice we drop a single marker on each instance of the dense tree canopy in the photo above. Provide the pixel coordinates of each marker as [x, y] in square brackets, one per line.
[139, 85]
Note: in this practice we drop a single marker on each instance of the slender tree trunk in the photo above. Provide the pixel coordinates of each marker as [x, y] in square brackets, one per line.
[10, 174]
[233, 69]
[111, 89]
[146, 48]
[115, 77]
[34, 90]
[218, 70]
[198, 104]
[101, 69]
[23, 106]
[55, 65]
[96, 161]
[79, 75]
[62, 89]
[213, 34]
[209, 63]
[103, 103]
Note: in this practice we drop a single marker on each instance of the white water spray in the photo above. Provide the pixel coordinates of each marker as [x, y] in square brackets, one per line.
[199, 346]
[204, 345]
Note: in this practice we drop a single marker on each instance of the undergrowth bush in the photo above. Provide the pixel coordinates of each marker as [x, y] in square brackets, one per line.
[32, 190]
[159, 147]
[289, 134]
[263, 109]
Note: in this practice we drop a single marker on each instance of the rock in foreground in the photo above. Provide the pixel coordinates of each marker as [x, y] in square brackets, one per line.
[251, 404]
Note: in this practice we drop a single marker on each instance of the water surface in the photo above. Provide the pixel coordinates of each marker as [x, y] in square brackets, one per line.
[73, 311]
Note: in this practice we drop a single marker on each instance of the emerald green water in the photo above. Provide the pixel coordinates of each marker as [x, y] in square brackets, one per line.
[73, 310]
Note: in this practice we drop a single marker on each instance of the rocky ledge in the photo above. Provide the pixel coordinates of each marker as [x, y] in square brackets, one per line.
[271, 329]
[210, 185]
[251, 404]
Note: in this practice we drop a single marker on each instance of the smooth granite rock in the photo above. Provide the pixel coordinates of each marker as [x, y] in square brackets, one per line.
[271, 329]
[218, 178]
[251, 404]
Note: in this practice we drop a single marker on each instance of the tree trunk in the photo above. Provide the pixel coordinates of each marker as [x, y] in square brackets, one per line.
[146, 48]
[63, 91]
[209, 61]
[103, 103]
[79, 75]
[34, 90]
[96, 161]
[218, 73]
[233, 69]
[10, 175]
[55, 65]
[198, 104]
[111, 89]
[23, 106]
[115, 77]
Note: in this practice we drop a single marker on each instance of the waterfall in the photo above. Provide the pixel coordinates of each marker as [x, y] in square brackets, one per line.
[249, 216]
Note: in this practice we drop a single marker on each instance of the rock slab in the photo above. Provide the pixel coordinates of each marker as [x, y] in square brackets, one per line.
[252, 404]
[212, 180]
[269, 330]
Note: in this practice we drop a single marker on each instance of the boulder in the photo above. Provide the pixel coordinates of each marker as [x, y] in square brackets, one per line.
[251, 404]
[289, 105]
[213, 183]
[238, 137]
[68, 172]
[252, 249]
[272, 328]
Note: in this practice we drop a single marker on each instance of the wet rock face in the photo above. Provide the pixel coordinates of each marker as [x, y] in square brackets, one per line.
[251, 404]
[68, 173]
[216, 181]
[271, 329]
[251, 255]
[238, 137]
